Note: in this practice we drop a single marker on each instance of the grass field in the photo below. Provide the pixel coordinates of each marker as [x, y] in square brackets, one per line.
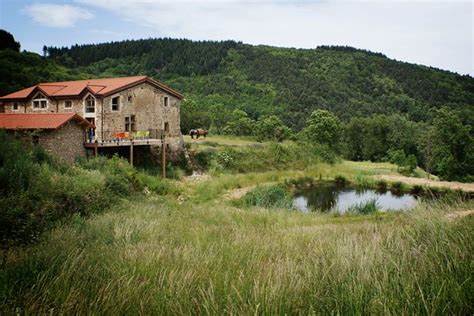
[199, 253]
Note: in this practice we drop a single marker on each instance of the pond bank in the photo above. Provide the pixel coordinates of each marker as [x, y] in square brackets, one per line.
[466, 187]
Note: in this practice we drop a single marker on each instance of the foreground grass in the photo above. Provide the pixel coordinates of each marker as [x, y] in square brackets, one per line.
[158, 256]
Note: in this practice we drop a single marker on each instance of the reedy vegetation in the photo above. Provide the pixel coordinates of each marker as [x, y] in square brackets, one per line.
[157, 256]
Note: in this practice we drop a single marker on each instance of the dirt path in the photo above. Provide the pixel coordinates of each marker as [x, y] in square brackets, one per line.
[466, 187]
[237, 193]
[461, 214]
[240, 192]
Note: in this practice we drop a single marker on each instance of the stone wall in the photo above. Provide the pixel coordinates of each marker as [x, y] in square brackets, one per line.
[146, 102]
[67, 142]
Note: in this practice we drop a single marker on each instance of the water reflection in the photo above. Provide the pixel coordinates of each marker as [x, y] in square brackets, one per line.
[330, 198]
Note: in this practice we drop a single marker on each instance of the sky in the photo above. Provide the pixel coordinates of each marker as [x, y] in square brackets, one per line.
[432, 33]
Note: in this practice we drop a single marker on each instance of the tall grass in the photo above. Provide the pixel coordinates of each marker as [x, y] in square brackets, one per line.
[364, 208]
[258, 158]
[171, 258]
[36, 191]
[273, 196]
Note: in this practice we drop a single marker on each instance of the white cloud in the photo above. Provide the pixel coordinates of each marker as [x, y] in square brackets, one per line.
[57, 15]
[430, 33]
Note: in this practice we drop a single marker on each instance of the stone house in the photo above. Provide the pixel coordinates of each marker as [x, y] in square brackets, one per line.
[126, 111]
[60, 134]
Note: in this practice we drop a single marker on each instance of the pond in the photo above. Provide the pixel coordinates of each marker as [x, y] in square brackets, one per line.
[331, 198]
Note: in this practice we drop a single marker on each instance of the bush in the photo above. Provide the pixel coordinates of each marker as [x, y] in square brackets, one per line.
[340, 180]
[406, 164]
[381, 186]
[397, 188]
[417, 190]
[271, 128]
[276, 196]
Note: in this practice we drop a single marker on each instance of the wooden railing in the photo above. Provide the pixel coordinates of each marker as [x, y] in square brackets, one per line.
[117, 136]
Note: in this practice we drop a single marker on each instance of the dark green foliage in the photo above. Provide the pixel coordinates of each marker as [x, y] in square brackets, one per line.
[448, 146]
[21, 70]
[417, 190]
[275, 196]
[7, 41]
[406, 164]
[397, 188]
[374, 137]
[271, 128]
[239, 124]
[381, 186]
[324, 128]
[340, 180]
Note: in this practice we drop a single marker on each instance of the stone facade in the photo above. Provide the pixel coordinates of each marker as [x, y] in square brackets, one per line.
[66, 142]
[147, 104]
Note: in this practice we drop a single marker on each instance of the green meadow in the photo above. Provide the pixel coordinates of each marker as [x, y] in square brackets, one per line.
[190, 247]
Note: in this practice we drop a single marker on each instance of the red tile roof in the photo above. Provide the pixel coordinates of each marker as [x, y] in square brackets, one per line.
[99, 87]
[39, 120]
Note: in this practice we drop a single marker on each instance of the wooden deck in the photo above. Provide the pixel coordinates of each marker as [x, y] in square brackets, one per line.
[126, 142]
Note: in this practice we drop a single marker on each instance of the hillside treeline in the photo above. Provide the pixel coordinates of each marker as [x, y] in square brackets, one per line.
[288, 82]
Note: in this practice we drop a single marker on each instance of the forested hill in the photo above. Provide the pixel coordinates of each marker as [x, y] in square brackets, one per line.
[218, 77]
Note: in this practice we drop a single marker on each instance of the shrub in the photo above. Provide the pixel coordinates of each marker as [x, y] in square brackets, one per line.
[340, 180]
[381, 186]
[275, 196]
[271, 128]
[300, 182]
[417, 190]
[397, 188]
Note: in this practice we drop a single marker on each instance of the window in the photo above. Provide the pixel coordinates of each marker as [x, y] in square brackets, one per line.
[90, 104]
[130, 123]
[127, 123]
[40, 102]
[68, 104]
[167, 127]
[115, 104]
[129, 98]
[165, 100]
[35, 139]
[15, 106]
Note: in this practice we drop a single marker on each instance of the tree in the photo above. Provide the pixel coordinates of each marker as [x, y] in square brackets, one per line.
[7, 41]
[452, 149]
[324, 128]
[271, 128]
[240, 124]
[354, 138]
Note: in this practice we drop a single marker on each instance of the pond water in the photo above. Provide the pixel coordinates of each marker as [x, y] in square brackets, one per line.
[330, 198]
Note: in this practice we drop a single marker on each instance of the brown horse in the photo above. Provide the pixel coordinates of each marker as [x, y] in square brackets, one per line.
[198, 132]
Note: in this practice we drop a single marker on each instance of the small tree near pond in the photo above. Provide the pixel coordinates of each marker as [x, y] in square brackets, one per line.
[271, 128]
[323, 128]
